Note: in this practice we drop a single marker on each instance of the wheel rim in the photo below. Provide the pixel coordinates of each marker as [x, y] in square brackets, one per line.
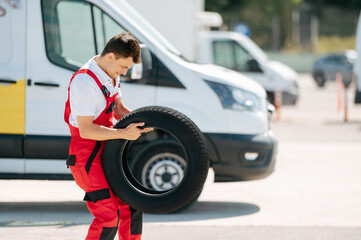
[163, 171]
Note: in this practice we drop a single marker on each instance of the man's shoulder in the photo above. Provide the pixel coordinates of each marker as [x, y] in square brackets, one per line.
[82, 78]
[83, 81]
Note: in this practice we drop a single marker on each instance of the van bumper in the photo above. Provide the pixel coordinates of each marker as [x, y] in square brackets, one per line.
[228, 156]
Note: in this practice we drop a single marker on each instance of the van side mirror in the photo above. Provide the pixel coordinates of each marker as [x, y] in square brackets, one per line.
[142, 70]
[254, 66]
[136, 72]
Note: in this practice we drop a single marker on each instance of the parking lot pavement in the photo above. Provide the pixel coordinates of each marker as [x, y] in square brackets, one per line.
[314, 193]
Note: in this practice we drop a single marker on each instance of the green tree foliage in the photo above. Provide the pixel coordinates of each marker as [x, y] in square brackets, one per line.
[258, 14]
[271, 21]
[347, 4]
[224, 5]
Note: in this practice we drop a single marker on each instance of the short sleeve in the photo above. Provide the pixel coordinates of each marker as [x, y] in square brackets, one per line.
[83, 97]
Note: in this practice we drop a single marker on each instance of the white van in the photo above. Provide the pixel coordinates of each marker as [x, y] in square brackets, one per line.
[238, 52]
[43, 42]
[357, 65]
[188, 27]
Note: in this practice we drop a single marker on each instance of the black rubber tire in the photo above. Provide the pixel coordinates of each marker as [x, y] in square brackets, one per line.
[143, 161]
[320, 79]
[125, 185]
[190, 204]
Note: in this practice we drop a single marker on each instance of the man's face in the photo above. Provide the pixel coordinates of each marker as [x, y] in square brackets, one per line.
[115, 66]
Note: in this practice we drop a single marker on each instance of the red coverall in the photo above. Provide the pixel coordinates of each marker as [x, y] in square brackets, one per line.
[85, 161]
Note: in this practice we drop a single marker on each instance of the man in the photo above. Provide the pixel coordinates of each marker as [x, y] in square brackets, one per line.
[94, 98]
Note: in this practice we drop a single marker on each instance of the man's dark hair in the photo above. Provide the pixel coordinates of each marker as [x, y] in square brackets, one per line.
[123, 45]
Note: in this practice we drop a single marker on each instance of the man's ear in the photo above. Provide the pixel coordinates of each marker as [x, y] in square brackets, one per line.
[110, 56]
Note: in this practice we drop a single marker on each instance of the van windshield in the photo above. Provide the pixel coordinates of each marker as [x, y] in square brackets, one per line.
[134, 15]
[254, 50]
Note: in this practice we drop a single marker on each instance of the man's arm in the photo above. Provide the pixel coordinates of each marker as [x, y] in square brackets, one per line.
[120, 109]
[89, 130]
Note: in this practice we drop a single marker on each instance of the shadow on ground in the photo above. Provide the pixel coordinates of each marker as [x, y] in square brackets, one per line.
[43, 206]
[203, 210]
[23, 214]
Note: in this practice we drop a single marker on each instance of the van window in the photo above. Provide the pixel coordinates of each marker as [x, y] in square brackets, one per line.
[105, 28]
[231, 55]
[75, 31]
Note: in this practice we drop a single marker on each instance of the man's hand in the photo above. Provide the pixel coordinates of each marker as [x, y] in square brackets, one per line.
[134, 131]
[89, 130]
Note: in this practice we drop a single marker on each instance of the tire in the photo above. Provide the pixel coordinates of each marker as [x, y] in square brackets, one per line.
[149, 167]
[186, 207]
[159, 165]
[127, 185]
[320, 79]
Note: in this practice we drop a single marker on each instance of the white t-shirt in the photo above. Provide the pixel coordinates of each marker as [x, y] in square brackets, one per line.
[86, 98]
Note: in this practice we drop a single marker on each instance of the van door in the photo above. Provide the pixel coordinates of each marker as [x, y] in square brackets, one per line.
[230, 54]
[12, 86]
[63, 35]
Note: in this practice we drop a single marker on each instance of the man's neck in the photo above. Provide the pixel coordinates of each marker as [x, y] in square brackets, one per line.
[100, 61]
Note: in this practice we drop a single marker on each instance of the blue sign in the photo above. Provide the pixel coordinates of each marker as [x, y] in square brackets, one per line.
[242, 28]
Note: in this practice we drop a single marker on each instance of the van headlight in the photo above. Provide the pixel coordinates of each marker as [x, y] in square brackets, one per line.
[235, 98]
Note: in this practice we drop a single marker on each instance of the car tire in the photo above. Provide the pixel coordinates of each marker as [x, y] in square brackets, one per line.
[320, 79]
[160, 166]
[125, 184]
[188, 205]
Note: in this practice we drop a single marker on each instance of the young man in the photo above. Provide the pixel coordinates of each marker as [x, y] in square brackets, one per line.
[94, 98]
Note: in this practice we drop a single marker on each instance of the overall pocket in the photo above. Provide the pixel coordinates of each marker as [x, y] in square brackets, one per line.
[80, 175]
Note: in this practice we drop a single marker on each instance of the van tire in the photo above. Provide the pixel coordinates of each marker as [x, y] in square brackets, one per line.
[146, 159]
[133, 193]
[154, 154]
[188, 205]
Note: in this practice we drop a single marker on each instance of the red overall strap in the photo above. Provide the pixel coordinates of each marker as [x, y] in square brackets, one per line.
[90, 73]
[104, 90]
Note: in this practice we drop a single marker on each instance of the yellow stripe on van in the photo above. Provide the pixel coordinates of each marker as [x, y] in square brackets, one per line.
[12, 108]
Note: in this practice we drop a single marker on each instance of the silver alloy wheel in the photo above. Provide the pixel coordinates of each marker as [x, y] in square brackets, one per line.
[163, 171]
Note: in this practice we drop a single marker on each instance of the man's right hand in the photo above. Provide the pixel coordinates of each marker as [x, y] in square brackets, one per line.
[133, 132]
[89, 130]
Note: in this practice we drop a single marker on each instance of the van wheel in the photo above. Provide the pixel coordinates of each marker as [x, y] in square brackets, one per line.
[186, 207]
[159, 165]
[172, 177]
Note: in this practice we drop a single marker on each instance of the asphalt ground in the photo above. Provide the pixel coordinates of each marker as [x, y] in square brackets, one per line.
[314, 193]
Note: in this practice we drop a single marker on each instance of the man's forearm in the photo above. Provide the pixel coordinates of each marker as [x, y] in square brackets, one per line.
[101, 133]
[89, 130]
[121, 111]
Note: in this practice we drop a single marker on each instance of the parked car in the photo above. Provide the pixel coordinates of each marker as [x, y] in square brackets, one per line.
[326, 67]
